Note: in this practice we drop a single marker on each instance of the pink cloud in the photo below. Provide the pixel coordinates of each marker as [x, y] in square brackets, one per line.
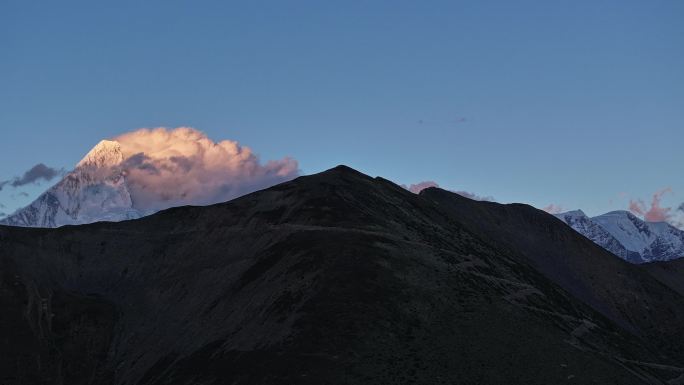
[418, 187]
[553, 209]
[181, 166]
[474, 196]
[653, 212]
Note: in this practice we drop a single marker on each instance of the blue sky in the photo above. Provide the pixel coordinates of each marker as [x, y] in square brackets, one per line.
[575, 103]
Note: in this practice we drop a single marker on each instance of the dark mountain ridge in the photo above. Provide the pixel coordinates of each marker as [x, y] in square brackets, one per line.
[334, 278]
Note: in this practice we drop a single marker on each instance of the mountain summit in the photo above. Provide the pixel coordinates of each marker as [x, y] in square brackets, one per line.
[629, 237]
[107, 153]
[147, 170]
[96, 190]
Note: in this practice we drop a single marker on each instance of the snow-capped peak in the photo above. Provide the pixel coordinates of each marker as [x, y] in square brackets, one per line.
[107, 153]
[584, 225]
[627, 236]
[619, 214]
[572, 214]
[95, 190]
[632, 232]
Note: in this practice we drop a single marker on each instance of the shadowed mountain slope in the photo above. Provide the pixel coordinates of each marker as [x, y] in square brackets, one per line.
[334, 278]
[622, 291]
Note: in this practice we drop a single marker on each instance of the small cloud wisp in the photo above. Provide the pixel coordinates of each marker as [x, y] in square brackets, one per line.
[418, 187]
[553, 209]
[35, 174]
[653, 212]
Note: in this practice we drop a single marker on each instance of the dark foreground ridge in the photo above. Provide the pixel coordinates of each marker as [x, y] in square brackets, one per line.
[334, 278]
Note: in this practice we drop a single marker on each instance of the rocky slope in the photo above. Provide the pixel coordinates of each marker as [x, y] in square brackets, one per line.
[334, 278]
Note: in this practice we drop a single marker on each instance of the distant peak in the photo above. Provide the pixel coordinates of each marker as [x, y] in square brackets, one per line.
[106, 145]
[572, 213]
[617, 213]
[105, 153]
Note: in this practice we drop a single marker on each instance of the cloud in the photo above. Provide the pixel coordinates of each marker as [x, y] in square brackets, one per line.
[637, 207]
[171, 167]
[653, 212]
[681, 208]
[553, 209]
[474, 196]
[418, 187]
[33, 175]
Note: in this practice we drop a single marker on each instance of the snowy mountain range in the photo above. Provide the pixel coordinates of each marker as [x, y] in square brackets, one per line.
[96, 190]
[627, 236]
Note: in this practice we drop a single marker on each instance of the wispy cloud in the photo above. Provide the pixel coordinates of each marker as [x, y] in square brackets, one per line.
[677, 219]
[420, 186]
[35, 174]
[652, 212]
[553, 209]
[474, 196]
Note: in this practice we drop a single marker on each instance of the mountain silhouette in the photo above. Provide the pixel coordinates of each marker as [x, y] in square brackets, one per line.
[334, 278]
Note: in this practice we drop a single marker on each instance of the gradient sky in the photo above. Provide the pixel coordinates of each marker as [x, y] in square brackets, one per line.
[575, 103]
